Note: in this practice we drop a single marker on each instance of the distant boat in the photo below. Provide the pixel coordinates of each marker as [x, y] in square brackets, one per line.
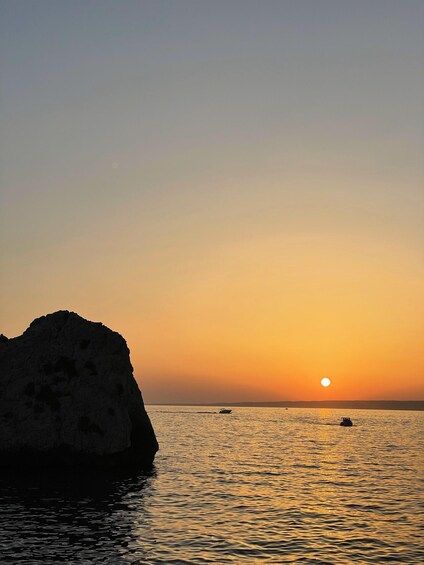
[225, 411]
[347, 422]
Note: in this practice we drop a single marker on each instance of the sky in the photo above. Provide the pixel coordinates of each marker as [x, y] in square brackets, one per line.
[235, 186]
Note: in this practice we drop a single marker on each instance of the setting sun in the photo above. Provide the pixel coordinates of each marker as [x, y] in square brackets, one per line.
[325, 382]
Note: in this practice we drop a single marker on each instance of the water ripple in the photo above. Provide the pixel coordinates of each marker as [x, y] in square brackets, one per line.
[259, 486]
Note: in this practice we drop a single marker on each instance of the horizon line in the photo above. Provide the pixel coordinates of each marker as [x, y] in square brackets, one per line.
[376, 404]
[278, 401]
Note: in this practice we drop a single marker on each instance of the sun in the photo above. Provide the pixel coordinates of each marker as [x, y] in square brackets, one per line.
[325, 382]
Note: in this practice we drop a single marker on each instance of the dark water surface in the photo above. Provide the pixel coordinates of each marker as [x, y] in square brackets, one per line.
[261, 485]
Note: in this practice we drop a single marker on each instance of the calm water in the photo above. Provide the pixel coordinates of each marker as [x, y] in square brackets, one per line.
[260, 485]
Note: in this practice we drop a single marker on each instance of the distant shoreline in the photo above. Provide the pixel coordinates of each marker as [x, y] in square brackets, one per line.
[414, 405]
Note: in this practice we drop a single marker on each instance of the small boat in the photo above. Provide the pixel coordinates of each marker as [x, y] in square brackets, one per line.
[225, 411]
[347, 422]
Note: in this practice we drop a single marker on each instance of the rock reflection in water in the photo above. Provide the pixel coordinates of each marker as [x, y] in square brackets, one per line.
[51, 517]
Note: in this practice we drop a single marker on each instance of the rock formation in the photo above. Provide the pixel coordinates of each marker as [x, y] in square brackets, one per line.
[68, 397]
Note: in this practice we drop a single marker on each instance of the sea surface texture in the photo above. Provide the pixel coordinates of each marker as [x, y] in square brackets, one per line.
[260, 485]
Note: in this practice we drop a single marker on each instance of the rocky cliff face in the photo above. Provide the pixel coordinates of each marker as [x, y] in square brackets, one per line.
[68, 396]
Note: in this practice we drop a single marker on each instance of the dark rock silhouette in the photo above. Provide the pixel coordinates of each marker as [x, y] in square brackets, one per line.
[68, 397]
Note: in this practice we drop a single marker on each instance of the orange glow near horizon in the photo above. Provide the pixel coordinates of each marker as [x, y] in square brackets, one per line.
[268, 328]
[271, 335]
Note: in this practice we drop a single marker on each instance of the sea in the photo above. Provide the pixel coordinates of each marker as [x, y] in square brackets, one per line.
[259, 485]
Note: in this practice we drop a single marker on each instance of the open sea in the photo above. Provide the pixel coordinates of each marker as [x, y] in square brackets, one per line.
[261, 485]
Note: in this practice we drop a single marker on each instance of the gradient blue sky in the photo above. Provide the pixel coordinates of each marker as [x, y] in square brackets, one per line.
[235, 186]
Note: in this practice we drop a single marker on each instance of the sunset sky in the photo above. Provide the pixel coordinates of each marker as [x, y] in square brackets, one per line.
[235, 186]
